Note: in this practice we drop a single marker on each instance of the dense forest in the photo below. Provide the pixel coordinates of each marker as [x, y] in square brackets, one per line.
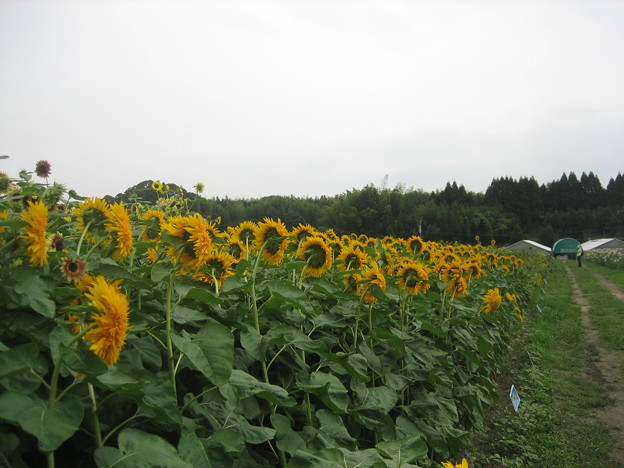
[510, 210]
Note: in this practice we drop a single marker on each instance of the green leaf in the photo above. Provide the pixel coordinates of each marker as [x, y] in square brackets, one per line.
[251, 341]
[332, 431]
[183, 315]
[159, 272]
[211, 350]
[404, 450]
[52, 426]
[203, 295]
[287, 439]
[229, 440]
[18, 359]
[329, 389]
[160, 400]
[138, 449]
[81, 360]
[242, 385]
[34, 289]
[112, 271]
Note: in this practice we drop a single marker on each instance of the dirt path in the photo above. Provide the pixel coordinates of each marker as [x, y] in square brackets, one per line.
[604, 367]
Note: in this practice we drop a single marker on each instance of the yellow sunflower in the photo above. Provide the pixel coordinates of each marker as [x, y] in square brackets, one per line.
[72, 269]
[302, 232]
[272, 235]
[352, 258]
[218, 266]
[245, 232]
[199, 187]
[376, 279]
[91, 215]
[4, 214]
[158, 186]
[352, 282]
[463, 464]
[111, 319]
[36, 217]
[414, 244]
[491, 300]
[317, 254]
[119, 225]
[413, 277]
[192, 244]
[236, 249]
[457, 287]
[153, 223]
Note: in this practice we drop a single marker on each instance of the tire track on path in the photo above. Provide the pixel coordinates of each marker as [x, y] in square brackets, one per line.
[604, 368]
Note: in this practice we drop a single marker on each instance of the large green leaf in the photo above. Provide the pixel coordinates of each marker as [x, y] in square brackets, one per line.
[81, 360]
[329, 389]
[51, 426]
[211, 350]
[251, 341]
[28, 283]
[404, 450]
[337, 458]
[138, 449]
[18, 359]
[287, 439]
[203, 295]
[242, 385]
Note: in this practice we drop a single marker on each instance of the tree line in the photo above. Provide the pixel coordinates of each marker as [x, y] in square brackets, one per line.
[509, 210]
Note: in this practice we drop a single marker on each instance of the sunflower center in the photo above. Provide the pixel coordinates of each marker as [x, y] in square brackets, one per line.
[315, 255]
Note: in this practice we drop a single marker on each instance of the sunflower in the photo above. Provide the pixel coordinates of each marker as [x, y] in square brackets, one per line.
[43, 169]
[457, 286]
[236, 249]
[199, 187]
[119, 225]
[414, 244]
[192, 244]
[511, 297]
[111, 320]
[218, 266]
[158, 186]
[92, 215]
[36, 217]
[352, 258]
[463, 464]
[245, 232]
[213, 230]
[413, 277]
[4, 214]
[152, 255]
[302, 232]
[353, 282]
[154, 220]
[271, 234]
[376, 279]
[72, 269]
[317, 254]
[491, 300]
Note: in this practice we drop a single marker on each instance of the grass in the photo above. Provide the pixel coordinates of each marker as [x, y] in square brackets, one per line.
[614, 275]
[607, 313]
[555, 425]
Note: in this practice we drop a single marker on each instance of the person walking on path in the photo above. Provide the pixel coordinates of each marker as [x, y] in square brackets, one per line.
[579, 255]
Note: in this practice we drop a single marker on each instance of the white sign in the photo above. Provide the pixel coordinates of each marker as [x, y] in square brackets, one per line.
[515, 398]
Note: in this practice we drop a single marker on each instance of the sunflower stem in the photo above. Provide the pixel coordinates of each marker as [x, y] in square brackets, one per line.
[96, 419]
[168, 321]
[82, 238]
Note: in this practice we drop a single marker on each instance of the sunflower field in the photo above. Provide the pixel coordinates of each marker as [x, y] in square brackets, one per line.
[147, 335]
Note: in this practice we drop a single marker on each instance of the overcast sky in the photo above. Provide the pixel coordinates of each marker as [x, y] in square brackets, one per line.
[310, 98]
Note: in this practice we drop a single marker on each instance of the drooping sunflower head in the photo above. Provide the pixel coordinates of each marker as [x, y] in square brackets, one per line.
[218, 267]
[413, 277]
[36, 217]
[119, 225]
[457, 287]
[352, 282]
[91, 215]
[236, 249]
[375, 280]
[302, 232]
[272, 235]
[317, 254]
[111, 319]
[414, 244]
[191, 243]
[352, 258]
[43, 169]
[245, 232]
[491, 300]
[153, 224]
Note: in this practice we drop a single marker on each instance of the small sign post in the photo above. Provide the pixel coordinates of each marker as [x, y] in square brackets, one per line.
[515, 398]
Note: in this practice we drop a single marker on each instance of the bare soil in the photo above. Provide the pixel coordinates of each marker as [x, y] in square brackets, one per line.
[604, 366]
